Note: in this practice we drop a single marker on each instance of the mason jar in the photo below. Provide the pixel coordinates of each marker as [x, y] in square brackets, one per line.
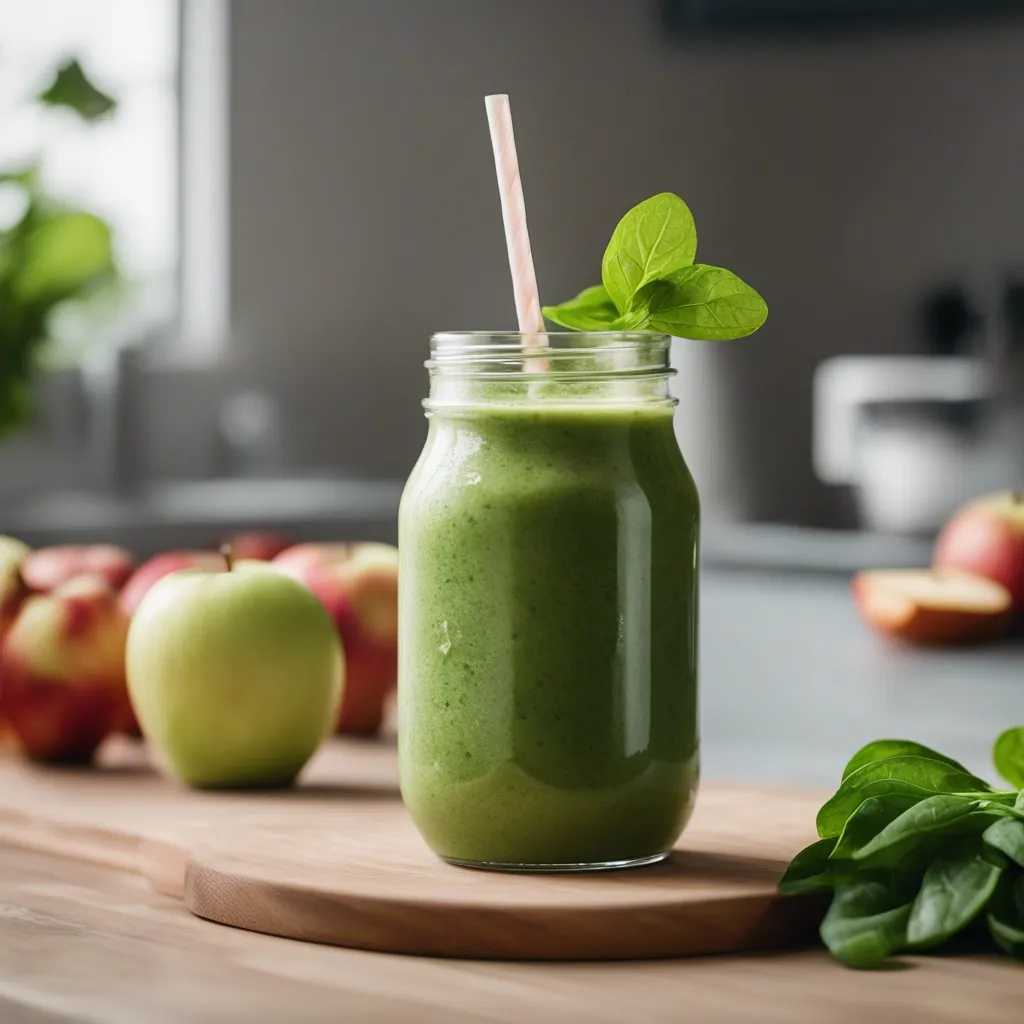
[548, 605]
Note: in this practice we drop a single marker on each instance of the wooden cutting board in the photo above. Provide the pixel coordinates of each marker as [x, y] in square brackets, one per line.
[338, 861]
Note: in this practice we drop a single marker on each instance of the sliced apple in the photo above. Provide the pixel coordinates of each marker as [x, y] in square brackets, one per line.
[932, 606]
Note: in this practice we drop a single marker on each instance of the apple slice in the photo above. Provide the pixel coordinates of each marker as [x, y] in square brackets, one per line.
[932, 606]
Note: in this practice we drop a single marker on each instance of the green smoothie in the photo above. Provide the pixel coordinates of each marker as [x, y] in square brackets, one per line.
[548, 648]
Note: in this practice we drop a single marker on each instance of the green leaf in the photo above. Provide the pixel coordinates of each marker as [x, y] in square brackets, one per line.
[865, 924]
[656, 238]
[1005, 918]
[705, 304]
[954, 890]
[951, 815]
[879, 750]
[907, 774]
[1008, 756]
[1007, 836]
[73, 90]
[1008, 935]
[15, 402]
[591, 310]
[812, 870]
[868, 820]
[28, 177]
[65, 253]
[650, 282]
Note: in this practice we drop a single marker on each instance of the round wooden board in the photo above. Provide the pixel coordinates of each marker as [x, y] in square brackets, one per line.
[365, 879]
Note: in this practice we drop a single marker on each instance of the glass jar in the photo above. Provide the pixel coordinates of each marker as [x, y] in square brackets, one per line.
[548, 606]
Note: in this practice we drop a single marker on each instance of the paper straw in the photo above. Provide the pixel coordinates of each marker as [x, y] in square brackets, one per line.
[513, 213]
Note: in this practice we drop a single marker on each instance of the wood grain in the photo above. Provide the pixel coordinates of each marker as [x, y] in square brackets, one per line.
[89, 945]
[383, 889]
[337, 861]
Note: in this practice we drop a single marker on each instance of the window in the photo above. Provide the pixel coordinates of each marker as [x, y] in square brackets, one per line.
[124, 168]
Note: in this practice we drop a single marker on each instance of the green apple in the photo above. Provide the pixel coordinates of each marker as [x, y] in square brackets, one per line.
[235, 675]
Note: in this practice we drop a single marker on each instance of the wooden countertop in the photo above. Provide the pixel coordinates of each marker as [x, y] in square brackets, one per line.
[781, 703]
[81, 943]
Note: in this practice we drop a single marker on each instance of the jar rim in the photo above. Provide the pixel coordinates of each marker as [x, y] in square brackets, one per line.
[602, 367]
[449, 349]
[527, 338]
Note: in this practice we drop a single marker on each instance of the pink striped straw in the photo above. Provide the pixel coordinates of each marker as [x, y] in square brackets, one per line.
[513, 213]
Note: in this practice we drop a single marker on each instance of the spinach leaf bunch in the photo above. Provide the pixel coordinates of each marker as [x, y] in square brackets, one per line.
[915, 849]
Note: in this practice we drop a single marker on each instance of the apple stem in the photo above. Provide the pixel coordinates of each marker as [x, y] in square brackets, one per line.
[1016, 497]
[229, 559]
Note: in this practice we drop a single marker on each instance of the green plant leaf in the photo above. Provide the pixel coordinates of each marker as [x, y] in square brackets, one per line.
[906, 774]
[650, 282]
[1008, 935]
[49, 256]
[27, 176]
[1008, 756]
[870, 818]
[64, 253]
[705, 304]
[954, 890]
[1007, 836]
[879, 750]
[591, 310]
[15, 402]
[812, 870]
[917, 849]
[656, 238]
[865, 924]
[1005, 917]
[72, 89]
[942, 813]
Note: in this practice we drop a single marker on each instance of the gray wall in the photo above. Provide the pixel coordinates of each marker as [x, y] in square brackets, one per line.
[841, 178]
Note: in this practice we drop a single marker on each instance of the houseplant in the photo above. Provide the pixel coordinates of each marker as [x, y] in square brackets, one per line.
[54, 253]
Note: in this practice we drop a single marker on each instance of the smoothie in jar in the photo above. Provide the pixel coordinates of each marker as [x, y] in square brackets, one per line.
[548, 649]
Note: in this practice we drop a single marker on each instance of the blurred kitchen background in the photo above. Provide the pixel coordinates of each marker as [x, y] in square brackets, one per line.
[300, 193]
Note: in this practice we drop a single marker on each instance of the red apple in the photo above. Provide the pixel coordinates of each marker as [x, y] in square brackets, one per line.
[163, 565]
[46, 569]
[63, 690]
[937, 606]
[257, 545]
[987, 537]
[358, 585]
